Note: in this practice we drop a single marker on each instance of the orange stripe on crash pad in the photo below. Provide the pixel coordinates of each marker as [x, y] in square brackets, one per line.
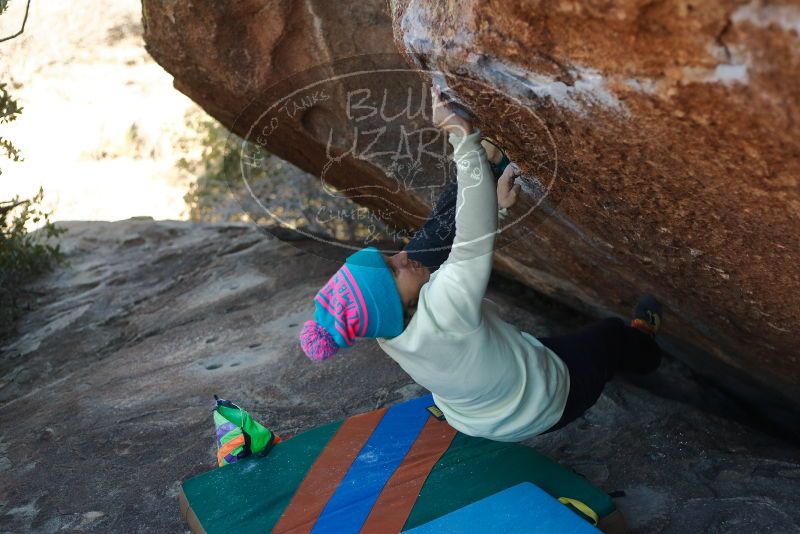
[395, 502]
[228, 447]
[327, 472]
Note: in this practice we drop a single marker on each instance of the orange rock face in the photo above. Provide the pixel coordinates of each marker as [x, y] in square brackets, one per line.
[675, 129]
[235, 59]
[666, 136]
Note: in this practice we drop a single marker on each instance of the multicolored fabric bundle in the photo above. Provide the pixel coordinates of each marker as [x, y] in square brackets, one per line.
[238, 434]
[396, 469]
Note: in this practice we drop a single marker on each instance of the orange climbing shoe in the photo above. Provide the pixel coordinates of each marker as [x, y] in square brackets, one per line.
[647, 315]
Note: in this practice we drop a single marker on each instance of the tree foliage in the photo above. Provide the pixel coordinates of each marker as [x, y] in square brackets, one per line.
[23, 255]
[295, 198]
[9, 111]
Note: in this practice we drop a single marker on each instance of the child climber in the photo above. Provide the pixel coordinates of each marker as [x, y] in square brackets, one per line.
[487, 377]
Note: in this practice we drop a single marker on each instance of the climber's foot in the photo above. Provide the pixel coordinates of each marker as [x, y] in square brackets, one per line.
[647, 315]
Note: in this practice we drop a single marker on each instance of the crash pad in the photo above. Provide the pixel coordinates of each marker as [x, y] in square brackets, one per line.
[520, 509]
[389, 470]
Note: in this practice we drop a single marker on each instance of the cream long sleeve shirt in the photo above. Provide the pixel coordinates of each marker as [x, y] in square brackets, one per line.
[488, 378]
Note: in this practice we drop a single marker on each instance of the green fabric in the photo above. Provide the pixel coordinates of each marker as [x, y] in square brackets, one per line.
[251, 494]
[474, 468]
[218, 422]
[236, 432]
[259, 434]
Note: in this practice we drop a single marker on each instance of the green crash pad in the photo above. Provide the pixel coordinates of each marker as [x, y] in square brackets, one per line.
[343, 477]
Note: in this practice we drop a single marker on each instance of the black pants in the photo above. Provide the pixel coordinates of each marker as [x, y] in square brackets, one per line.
[431, 244]
[594, 354]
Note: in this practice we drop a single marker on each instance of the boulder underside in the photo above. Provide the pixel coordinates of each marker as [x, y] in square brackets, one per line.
[666, 136]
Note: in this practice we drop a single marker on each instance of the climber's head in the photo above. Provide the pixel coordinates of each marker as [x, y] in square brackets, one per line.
[366, 297]
[409, 277]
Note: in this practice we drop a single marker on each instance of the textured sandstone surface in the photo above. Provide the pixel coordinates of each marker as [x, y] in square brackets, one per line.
[106, 394]
[674, 134]
[230, 57]
[666, 135]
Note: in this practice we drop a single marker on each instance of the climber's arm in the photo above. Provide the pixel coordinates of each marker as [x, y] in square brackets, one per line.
[431, 244]
[460, 286]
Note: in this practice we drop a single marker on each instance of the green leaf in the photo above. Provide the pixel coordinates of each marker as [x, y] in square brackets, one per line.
[24, 256]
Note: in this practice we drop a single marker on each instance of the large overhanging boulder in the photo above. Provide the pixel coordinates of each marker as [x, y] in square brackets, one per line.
[660, 142]
[677, 131]
[236, 59]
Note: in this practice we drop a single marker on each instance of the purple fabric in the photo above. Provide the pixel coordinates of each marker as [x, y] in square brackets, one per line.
[222, 430]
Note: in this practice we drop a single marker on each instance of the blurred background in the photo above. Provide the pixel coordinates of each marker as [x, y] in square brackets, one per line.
[106, 136]
[93, 130]
[102, 130]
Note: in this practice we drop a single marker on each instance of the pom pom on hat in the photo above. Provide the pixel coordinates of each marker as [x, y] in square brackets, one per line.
[317, 342]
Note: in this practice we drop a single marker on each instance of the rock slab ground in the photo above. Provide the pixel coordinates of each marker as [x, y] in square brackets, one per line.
[106, 393]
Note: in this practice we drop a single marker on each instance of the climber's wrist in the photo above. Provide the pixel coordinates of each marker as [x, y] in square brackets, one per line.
[462, 129]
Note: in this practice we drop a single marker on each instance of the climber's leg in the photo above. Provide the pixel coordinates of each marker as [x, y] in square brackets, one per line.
[431, 243]
[593, 354]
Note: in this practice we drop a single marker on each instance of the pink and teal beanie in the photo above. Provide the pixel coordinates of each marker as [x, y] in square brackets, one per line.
[360, 300]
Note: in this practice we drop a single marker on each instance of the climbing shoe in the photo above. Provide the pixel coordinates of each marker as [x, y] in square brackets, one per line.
[647, 315]
[238, 434]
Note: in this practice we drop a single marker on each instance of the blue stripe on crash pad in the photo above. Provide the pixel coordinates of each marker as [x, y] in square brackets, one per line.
[520, 509]
[350, 504]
